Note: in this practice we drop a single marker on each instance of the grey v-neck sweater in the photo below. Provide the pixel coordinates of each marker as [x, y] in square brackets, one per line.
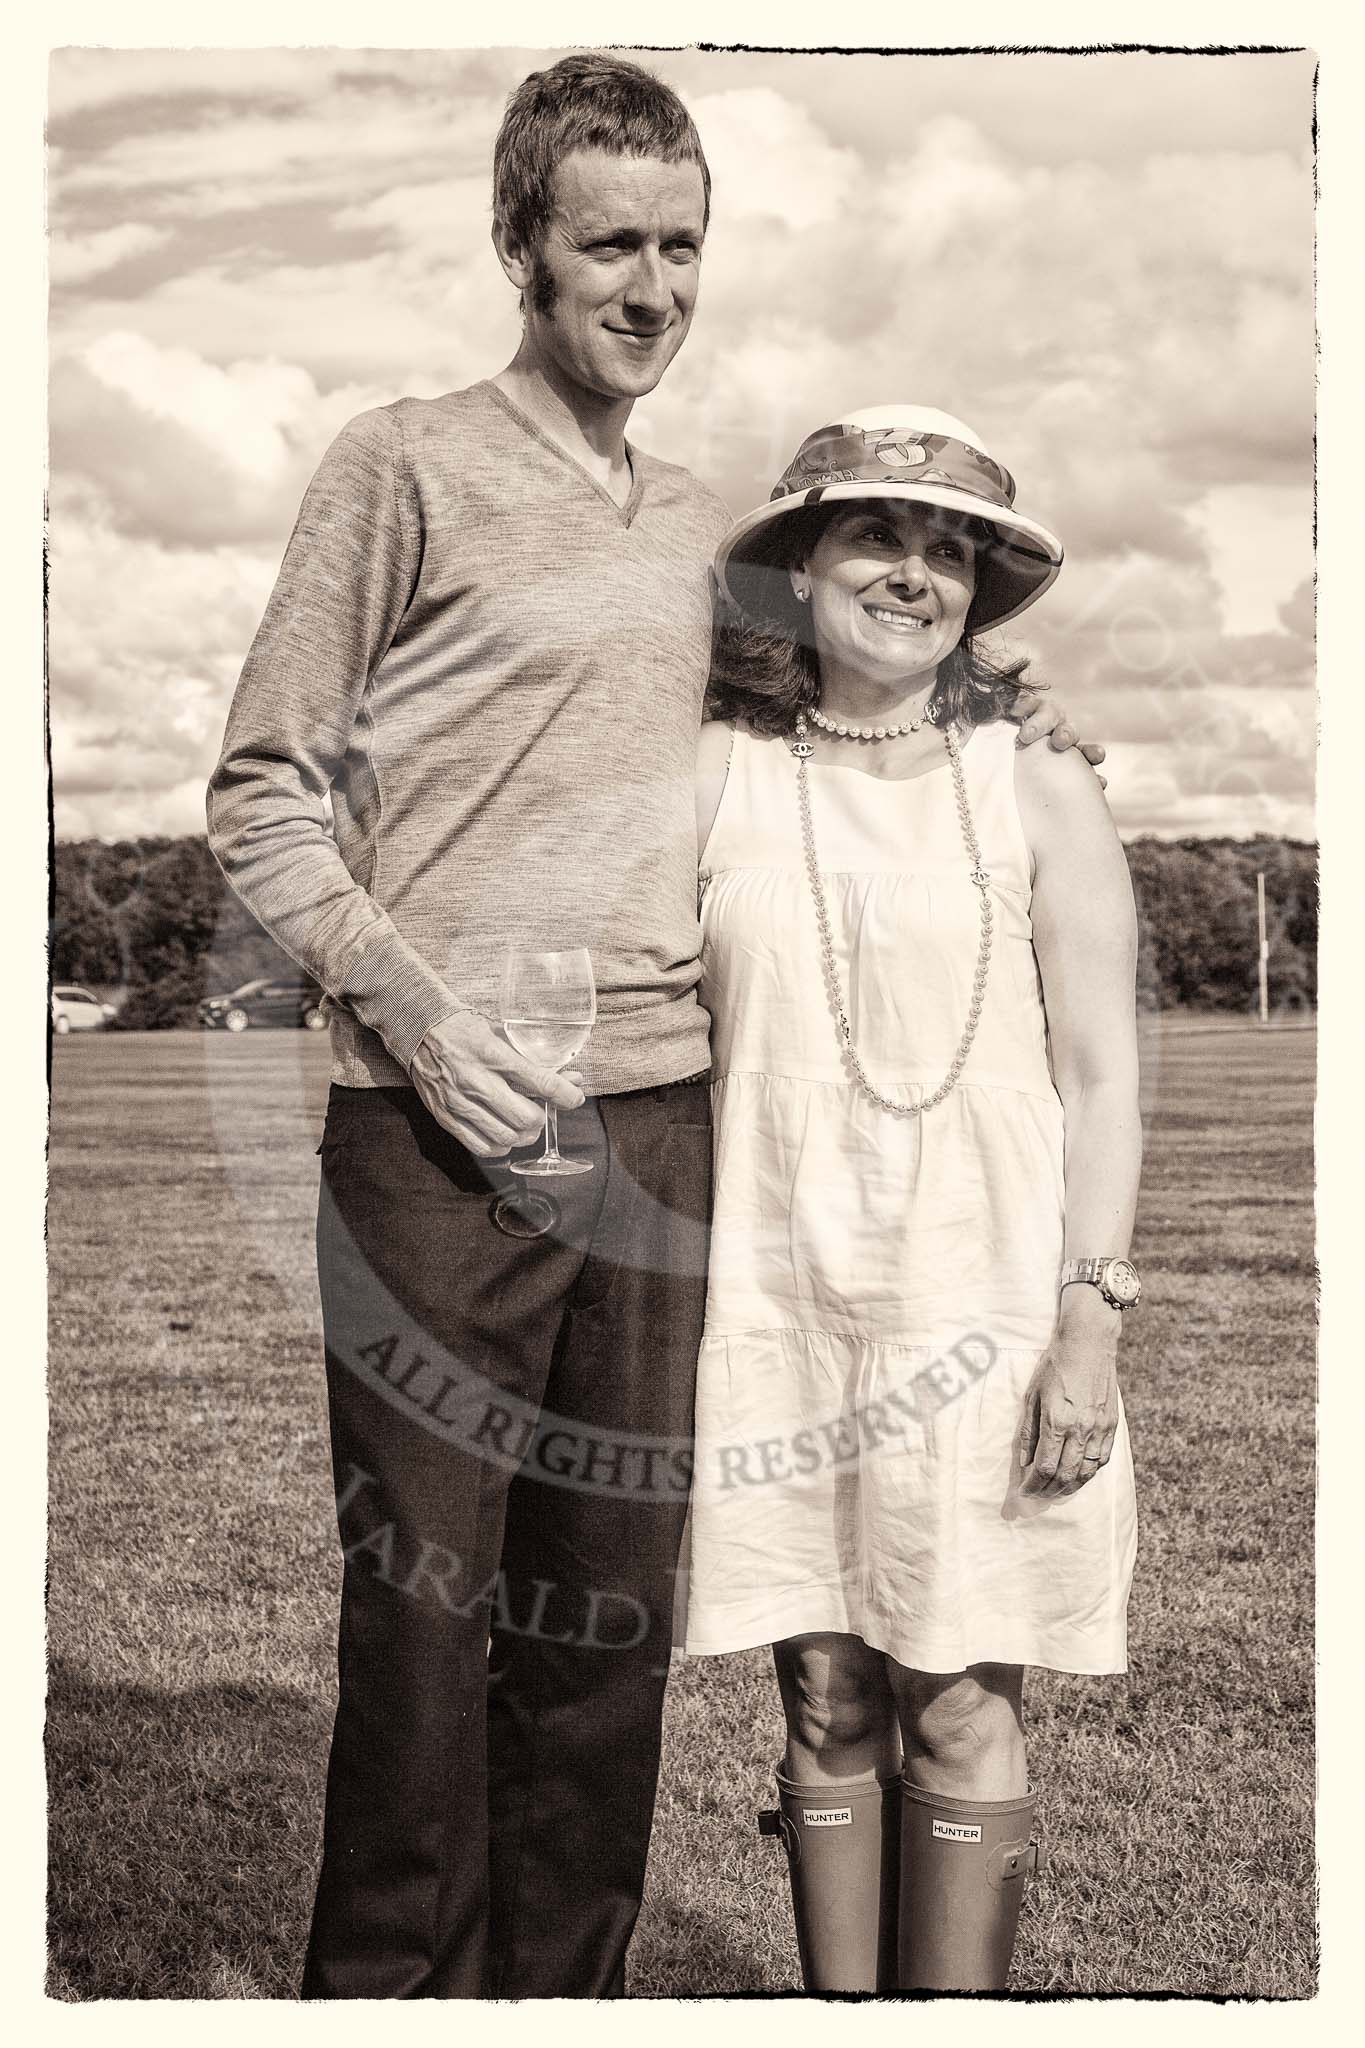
[497, 673]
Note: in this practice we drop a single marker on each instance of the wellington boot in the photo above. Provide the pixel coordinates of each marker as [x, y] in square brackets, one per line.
[843, 1853]
[964, 1863]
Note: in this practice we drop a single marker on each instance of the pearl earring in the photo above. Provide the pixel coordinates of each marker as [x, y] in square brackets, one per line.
[802, 596]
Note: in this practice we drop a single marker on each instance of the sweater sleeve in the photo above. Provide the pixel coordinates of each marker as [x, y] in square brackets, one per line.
[338, 600]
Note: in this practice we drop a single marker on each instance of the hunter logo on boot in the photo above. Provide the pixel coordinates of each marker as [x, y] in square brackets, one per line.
[829, 1816]
[954, 1831]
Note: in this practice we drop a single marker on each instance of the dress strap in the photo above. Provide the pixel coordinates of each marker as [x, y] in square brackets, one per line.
[988, 764]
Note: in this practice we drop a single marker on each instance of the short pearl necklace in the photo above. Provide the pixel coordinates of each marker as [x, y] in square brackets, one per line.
[869, 732]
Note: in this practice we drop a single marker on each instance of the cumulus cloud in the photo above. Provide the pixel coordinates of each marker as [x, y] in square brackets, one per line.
[1259, 540]
[1298, 613]
[1093, 326]
[146, 641]
[239, 412]
[343, 145]
[84, 83]
[1103, 263]
[1142, 621]
[1041, 109]
[1196, 719]
[770, 159]
[191, 451]
[445, 219]
[72, 259]
[410, 320]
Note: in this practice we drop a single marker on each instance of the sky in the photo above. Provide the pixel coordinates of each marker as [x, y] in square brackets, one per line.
[1103, 263]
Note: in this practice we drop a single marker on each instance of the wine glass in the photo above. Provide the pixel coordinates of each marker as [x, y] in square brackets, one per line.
[549, 1003]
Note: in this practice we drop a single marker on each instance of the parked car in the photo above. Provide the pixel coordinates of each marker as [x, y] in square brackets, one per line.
[75, 1009]
[265, 1001]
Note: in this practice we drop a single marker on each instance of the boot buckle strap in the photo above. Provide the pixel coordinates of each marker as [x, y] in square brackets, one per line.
[772, 1821]
[1012, 1862]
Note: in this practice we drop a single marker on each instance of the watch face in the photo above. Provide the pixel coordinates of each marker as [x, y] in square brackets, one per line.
[1122, 1281]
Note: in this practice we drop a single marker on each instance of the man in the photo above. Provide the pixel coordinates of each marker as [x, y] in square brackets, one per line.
[489, 642]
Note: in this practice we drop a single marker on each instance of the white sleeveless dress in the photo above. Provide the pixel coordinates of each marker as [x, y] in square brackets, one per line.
[881, 1287]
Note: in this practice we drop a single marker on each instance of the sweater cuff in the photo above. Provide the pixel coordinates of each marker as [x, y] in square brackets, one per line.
[392, 990]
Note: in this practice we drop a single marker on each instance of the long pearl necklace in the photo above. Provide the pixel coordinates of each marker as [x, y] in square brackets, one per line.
[802, 749]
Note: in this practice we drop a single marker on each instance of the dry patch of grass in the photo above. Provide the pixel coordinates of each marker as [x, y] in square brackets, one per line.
[193, 1576]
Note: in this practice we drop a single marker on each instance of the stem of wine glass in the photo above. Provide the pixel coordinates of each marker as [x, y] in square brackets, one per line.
[551, 1132]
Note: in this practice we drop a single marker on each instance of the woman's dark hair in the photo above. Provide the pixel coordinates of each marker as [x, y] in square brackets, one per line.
[591, 101]
[762, 674]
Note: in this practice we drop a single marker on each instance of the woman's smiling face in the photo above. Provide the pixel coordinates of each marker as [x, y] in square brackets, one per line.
[890, 583]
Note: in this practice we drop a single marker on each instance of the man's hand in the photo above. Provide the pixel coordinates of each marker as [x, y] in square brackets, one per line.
[481, 1088]
[1038, 718]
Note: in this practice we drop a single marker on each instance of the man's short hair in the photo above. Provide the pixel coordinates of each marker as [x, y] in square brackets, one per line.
[584, 102]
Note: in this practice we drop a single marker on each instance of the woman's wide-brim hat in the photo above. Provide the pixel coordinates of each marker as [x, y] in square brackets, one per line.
[892, 451]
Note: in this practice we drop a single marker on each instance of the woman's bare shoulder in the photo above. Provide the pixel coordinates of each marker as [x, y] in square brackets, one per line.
[717, 736]
[713, 767]
[1048, 780]
[1067, 823]
[713, 744]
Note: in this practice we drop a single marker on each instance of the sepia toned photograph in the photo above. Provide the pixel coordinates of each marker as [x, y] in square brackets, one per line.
[682, 733]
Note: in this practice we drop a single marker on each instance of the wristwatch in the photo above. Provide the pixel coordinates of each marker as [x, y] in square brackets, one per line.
[1116, 1279]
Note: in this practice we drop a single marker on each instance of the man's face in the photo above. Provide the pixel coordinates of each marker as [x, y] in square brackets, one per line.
[614, 279]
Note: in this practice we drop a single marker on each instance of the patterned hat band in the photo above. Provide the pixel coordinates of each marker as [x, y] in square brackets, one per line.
[858, 455]
[911, 453]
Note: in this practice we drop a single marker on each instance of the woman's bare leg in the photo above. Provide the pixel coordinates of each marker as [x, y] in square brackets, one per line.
[839, 1810]
[966, 1826]
[840, 1709]
[963, 1731]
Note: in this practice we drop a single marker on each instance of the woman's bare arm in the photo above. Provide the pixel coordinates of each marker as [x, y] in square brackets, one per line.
[713, 762]
[1085, 938]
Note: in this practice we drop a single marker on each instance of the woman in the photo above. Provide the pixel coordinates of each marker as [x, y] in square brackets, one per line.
[913, 1475]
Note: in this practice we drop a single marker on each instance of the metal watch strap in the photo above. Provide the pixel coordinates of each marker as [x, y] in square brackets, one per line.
[1090, 1270]
[1092, 1273]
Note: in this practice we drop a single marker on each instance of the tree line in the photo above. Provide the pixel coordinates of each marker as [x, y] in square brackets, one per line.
[151, 925]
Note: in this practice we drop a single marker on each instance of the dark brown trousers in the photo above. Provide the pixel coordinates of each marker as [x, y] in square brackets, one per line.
[511, 1434]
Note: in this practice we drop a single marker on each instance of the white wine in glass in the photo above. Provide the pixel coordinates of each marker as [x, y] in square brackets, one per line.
[549, 1005]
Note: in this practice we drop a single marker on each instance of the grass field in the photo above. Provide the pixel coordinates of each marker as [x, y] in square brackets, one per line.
[193, 1573]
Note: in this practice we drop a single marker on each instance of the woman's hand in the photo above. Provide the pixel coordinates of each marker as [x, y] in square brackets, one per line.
[1071, 1409]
